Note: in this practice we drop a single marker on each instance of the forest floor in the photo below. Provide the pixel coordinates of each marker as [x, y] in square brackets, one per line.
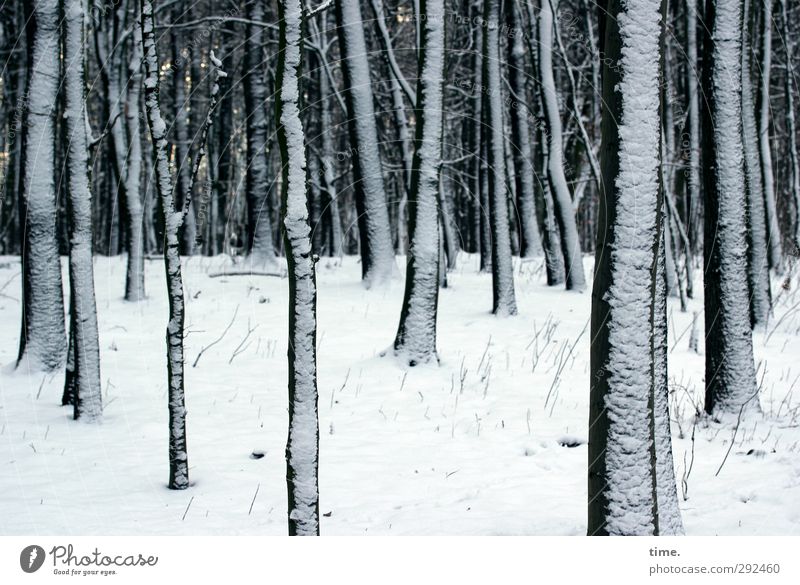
[490, 441]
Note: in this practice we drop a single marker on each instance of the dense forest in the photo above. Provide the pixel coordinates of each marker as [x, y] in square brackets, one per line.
[639, 154]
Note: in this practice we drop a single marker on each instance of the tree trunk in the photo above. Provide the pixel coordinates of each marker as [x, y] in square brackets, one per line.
[134, 276]
[791, 124]
[730, 382]
[302, 448]
[42, 338]
[259, 229]
[524, 175]
[182, 146]
[554, 258]
[416, 335]
[669, 514]
[377, 253]
[85, 387]
[564, 209]
[328, 168]
[693, 185]
[758, 238]
[504, 301]
[172, 219]
[622, 456]
[767, 175]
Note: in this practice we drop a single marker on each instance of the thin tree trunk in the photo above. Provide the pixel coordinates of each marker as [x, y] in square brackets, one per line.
[134, 276]
[416, 334]
[377, 253]
[524, 175]
[182, 145]
[328, 162]
[758, 237]
[669, 514]
[693, 184]
[791, 124]
[86, 390]
[564, 209]
[259, 229]
[172, 220]
[503, 299]
[763, 104]
[302, 448]
[554, 258]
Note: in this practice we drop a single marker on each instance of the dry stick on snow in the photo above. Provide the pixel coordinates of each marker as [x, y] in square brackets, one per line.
[281, 274]
[217, 340]
[241, 348]
[186, 511]
[687, 470]
[738, 422]
[254, 499]
[562, 363]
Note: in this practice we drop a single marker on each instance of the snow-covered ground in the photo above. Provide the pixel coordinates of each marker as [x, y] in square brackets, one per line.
[492, 441]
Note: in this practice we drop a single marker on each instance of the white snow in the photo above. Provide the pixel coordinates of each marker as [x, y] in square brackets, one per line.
[402, 451]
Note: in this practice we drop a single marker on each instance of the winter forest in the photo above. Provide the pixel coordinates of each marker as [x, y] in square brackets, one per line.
[533, 264]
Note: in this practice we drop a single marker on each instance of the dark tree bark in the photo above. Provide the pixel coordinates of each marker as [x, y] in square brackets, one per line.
[84, 387]
[504, 301]
[377, 253]
[259, 228]
[524, 173]
[302, 447]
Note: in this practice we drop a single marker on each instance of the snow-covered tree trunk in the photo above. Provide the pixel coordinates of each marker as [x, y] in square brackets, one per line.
[172, 218]
[134, 276]
[564, 209]
[554, 258]
[396, 85]
[670, 267]
[182, 145]
[504, 301]
[473, 144]
[730, 381]
[622, 457]
[260, 247]
[693, 183]
[524, 175]
[377, 253]
[42, 338]
[669, 514]
[668, 159]
[791, 123]
[767, 174]
[302, 448]
[481, 165]
[328, 168]
[416, 335]
[758, 245]
[86, 389]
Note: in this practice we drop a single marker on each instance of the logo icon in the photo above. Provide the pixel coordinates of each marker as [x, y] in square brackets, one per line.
[31, 558]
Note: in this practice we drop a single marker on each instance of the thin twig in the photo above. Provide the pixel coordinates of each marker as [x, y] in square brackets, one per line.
[217, 340]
